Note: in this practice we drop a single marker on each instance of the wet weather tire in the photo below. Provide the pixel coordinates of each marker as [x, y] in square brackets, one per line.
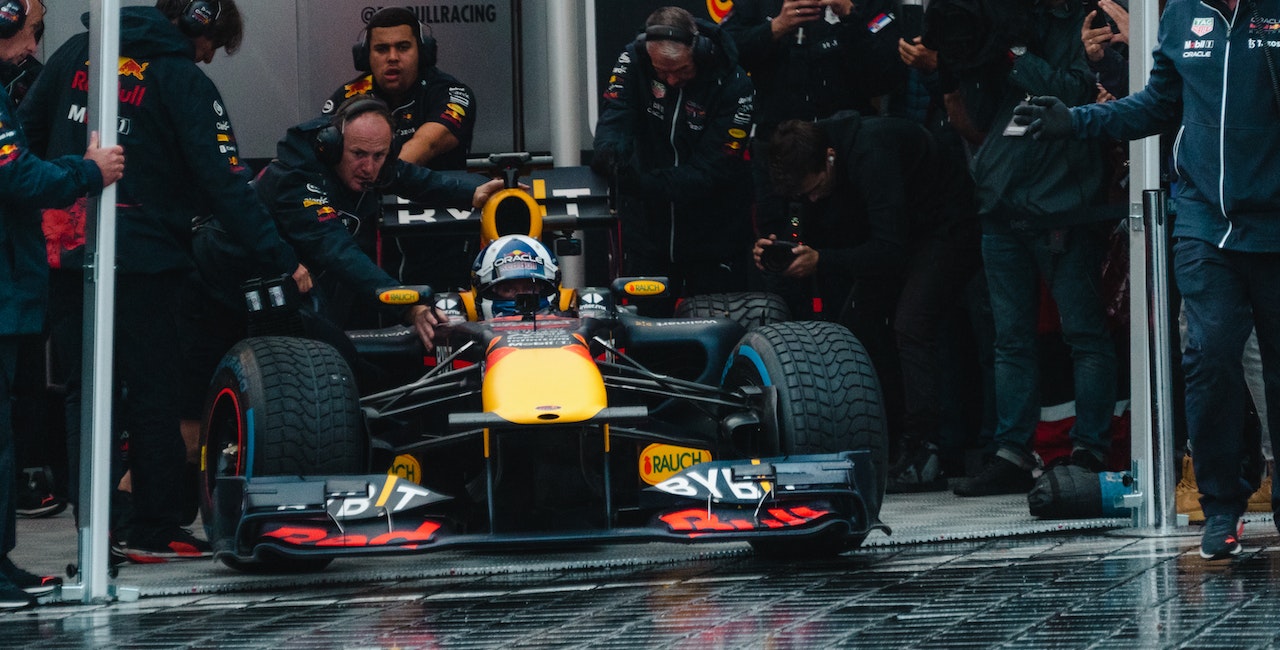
[750, 309]
[279, 406]
[828, 400]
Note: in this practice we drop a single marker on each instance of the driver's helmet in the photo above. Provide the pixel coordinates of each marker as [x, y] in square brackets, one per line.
[511, 265]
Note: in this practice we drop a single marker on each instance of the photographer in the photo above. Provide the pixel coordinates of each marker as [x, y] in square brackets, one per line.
[892, 240]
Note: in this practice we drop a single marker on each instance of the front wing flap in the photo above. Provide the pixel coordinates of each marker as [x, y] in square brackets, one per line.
[732, 500]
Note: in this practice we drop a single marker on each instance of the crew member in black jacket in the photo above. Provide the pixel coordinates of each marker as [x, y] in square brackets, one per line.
[184, 162]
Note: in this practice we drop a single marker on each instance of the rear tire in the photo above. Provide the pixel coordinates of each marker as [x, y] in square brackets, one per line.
[279, 406]
[750, 309]
[829, 400]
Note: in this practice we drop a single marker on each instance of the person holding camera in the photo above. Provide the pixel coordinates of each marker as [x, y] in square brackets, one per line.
[891, 243]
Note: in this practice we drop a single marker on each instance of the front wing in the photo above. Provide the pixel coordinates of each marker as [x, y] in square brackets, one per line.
[770, 498]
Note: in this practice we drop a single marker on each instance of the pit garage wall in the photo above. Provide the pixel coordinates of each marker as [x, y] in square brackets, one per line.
[296, 52]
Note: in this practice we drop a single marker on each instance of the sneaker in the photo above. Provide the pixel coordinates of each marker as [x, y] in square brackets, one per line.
[11, 597]
[1086, 459]
[35, 497]
[1221, 537]
[920, 471]
[998, 476]
[1186, 493]
[27, 581]
[166, 544]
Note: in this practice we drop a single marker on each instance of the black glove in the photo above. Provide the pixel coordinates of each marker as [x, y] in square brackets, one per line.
[602, 162]
[633, 182]
[1046, 118]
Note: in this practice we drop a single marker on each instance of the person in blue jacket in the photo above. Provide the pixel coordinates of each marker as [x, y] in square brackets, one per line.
[185, 163]
[1216, 79]
[27, 184]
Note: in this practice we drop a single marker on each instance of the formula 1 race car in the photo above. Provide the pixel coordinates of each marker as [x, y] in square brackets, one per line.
[588, 424]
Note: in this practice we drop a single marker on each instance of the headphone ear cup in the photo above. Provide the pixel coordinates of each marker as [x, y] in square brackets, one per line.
[639, 45]
[360, 56]
[13, 15]
[427, 52]
[704, 52]
[328, 145]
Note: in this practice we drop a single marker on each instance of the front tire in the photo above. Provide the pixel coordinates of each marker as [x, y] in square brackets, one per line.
[828, 400]
[750, 309]
[279, 406]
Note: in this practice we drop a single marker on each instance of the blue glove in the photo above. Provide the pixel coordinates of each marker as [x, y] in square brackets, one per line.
[1046, 118]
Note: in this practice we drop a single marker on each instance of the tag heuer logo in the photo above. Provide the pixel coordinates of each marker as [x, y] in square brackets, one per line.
[1201, 26]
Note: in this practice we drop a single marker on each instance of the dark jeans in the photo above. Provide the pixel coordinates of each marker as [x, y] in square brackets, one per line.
[1069, 264]
[8, 509]
[1225, 294]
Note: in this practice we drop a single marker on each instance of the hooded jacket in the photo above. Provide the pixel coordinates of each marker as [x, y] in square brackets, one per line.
[183, 161]
[334, 228]
[1211, 71]
[27, 184]
[687, 145]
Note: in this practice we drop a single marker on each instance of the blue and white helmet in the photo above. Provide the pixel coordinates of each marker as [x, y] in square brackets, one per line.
[514, 257]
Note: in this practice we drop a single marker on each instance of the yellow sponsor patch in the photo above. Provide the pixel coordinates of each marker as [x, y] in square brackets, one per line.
[737, 133]
[644, 288]
[406, 467]
[399, 297]
[660, 462]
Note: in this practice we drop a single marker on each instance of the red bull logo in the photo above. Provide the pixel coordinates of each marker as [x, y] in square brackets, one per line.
[131, 68]
[359, 86]
[718, 9]
[326, 213]
[8, 153]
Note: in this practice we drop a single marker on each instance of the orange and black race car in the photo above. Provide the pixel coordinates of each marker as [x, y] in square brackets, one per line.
[587, 424]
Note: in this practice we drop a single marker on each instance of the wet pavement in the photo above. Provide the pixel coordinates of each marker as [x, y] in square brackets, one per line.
[945, 582]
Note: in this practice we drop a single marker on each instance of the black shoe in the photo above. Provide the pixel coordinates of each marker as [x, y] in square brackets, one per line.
[35, 497]
[1086, 459]
[11, 597]
[998, 476]
[1221, 537]
[190, 493]
[28, 581]
[166, 544]
[920, 471]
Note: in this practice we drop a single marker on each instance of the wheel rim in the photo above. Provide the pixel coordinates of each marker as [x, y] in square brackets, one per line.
[225, 451]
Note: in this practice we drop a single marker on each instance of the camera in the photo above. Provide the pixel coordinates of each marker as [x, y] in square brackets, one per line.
[777, 256]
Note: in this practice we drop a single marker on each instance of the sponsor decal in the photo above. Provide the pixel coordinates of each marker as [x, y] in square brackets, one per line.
[737, 133]
[1202, 26]
[458, 13]
[9, 153]
[359, 86]
[323, 537]
[657, 89]
[879, 22]
[326, 213]
[644, 288]
[128, 95]
[406, 467]
[312, 187]
[399, 297]
[328, 107]
[517, 260]
[701, 520]
[659, 462]
[131, 68]
[718, 9]
[217, 108]
[715, 483]
[222, 125]
[222, 137]
[1197, 54]
[313, 201]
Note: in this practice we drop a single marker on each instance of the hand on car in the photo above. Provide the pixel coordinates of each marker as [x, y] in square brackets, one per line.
[484, 192]
[425, 319]
[302, 278]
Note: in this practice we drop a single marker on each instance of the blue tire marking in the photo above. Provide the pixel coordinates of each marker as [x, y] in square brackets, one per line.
[751, 355]
[248, 443]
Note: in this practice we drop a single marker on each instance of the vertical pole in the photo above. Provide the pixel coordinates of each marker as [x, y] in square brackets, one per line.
[1159, 507]
[564, 33]
[100, 281]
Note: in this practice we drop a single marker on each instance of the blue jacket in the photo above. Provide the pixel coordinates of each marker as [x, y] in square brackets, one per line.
[1210, 73]
[182, 156]
[28, 184]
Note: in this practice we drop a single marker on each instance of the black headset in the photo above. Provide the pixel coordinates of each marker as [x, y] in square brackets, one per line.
[704, 49]
[13, 15]
[328, 140]
[427, 49]
[198, 17]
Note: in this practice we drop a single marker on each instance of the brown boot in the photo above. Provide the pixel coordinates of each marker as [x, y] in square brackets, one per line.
[1260, 501]
[1187, 493]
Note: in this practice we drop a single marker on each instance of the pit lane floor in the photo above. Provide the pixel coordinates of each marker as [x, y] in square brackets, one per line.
[956, 573]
